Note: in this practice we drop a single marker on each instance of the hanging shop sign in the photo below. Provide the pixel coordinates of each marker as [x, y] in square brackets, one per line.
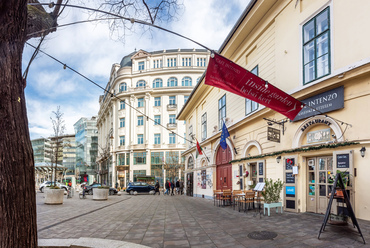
[318, 136]
[273, 134]
[324, 102]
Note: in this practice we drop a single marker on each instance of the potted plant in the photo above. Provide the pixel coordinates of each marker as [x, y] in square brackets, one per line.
[345, 178]
[100, 193]
[54, 195]
[271, 195]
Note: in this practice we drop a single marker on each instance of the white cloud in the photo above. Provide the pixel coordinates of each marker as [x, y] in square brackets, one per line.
[88, 49]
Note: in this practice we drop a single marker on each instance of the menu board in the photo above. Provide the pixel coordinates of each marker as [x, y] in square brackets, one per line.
[260, 169]
[343, 160]
[289, 178]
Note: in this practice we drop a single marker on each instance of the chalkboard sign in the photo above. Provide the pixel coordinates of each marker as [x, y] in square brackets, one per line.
[343, 160]
[289, 178]
[289, 162]
[260, 169]
[260, 180]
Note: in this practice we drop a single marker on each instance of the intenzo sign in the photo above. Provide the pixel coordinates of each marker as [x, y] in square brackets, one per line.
[324, 102]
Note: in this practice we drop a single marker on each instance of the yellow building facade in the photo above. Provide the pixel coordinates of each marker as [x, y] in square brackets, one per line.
[316, 51]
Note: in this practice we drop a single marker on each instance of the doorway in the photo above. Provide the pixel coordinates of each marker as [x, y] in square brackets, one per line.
[223, 172]
[320, 170]
[189, 184]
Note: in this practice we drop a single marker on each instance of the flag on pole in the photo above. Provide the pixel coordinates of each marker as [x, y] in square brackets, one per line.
[225, 74]
[224, 135]
[199, 150]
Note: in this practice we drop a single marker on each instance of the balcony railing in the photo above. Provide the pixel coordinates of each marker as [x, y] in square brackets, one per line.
[171, 125]
[171, 106]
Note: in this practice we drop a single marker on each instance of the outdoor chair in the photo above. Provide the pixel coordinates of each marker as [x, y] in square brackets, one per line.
[237, 197]
[248, 200]
[226, 196]
[216, 197]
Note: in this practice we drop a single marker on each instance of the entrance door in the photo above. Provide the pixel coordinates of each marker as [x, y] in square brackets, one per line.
[189, 184]
[319, 185]
[223, 173]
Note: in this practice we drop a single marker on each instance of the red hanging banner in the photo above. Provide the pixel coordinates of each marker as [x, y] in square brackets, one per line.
[225, 74]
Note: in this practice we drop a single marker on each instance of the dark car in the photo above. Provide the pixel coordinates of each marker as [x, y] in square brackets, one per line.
[139, 187]
[89, 189]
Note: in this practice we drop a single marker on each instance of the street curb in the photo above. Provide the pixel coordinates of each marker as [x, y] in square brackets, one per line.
[86, 243]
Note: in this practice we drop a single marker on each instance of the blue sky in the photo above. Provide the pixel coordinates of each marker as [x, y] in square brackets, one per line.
[89, 49]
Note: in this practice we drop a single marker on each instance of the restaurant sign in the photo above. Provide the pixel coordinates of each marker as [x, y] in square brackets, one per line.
[318, 136]
[273, 134]
[324, 102]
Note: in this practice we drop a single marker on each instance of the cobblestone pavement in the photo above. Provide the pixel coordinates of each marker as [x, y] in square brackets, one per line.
[181, 221]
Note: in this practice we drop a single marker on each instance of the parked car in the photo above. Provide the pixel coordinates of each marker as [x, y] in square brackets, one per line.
[139, 187]
[48, 183]
[89, 189]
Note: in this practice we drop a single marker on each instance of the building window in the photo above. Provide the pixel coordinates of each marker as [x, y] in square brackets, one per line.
[139, 158]
[186, 61]
[123, 158]
[190, 135]
[157, 83]
[184, 138]
[122, 104]
[171, 62]
[316, 47]
[140, 83]
[172, 82]
[140, 120]
[204, 126]
[157, 63]
[172, 100]
[198, 79]
[172, 138]
[140, 139]
[141, 66]
[251, 106]
[201, 62]
[186, 81]
[190, 163]
[221, 110]
[157, 101]
[121, 140]
[157, 120]
[122, 122]
[157, 138]
[122, 87]
[140, 102]
[172, 119]
[157, 158]
[186, 99]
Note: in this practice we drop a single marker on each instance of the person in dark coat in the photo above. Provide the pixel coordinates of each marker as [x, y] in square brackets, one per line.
[157, 188]
[181, 187]
[172, 187]
[167, 186]
[177, 187]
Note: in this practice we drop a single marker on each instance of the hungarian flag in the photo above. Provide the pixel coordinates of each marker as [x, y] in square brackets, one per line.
[225, 74]
[199, 149]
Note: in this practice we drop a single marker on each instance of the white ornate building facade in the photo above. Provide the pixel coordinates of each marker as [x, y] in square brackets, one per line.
[139, 136]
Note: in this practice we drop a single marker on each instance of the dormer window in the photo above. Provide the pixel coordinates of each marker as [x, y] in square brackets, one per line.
[141, 66]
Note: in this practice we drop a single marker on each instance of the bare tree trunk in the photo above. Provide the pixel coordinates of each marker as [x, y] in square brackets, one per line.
[18, 226]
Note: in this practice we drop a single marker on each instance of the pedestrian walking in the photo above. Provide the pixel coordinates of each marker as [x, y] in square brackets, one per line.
[157, 188]
[172, 187]
[181, 187]
[167, 186]
[177, 187]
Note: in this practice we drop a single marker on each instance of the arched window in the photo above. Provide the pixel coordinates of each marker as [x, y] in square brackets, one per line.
[172, 82]
[122, 87]
[157, 83]
[198, 79]
[190, 163]
[186, 81]
[140, 83]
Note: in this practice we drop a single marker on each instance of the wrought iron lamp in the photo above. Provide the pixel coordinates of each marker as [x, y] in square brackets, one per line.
[278, 158]
[363, 150]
